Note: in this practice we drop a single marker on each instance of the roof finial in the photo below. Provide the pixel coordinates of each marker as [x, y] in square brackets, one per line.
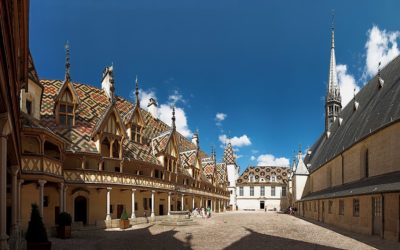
[333, 28]
[67, 64]
[299, 148]
[173, 118]
[137, 92]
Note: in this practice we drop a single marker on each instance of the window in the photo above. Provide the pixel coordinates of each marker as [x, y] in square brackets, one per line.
[356, 207]
[377, 206]
[139, 172]
[66, 109]
[262, 191]
[272, 191]
[341, 207]
[251, 178]
[28, 107]
[283, 191]
[231, 192]
[330, 204]
[241, 191]
[251, 191]
[273, 178]
[137, 133]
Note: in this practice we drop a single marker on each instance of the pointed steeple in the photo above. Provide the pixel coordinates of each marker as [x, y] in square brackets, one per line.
[67, 63]
[173, 118]
[213, 153]
[137, 92]
[229, 157]
[333, 105]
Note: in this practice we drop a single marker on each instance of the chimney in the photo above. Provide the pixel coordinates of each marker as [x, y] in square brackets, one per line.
[107, 84]
[195, 139]
[152, 108]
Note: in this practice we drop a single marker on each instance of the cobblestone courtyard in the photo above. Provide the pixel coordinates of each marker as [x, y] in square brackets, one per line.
[232, 230]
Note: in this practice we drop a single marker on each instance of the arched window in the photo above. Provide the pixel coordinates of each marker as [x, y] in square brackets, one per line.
[115, 151]
[30, 145]
[105, 147]
[51, 150]
[66, 109]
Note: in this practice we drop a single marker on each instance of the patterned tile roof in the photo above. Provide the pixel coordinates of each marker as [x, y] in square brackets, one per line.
[93, 105]
[160, 143]
[209, 166]
[188, 158]
[263, 174]
[221, 173]
[229, 157]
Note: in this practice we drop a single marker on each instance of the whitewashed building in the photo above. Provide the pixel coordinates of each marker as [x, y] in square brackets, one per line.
[263, 187]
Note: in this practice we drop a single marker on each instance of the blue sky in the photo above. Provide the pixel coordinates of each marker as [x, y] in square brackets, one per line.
[263, 64]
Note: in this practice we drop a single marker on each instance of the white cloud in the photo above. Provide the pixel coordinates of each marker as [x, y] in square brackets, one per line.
[270, 160]
[220, 117]
[165, 112]
[347, 84]
[238, 156]
[381, 47]
[253, 158]
[175, 98]
[241, 141]
[145, 96]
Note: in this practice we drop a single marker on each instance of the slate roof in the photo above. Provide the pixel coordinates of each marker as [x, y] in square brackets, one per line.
[372, 185]
[262, 174]
[378, 107]
[94, 103]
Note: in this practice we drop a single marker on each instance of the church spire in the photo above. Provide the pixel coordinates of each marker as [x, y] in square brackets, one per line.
[67, 64]
[333, 104]
[137, 92]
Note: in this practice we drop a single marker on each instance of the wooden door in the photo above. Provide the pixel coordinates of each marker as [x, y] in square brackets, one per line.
[376, 215]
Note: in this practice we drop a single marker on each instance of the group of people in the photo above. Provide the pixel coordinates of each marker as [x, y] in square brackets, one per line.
[205, 213]
[291, 210]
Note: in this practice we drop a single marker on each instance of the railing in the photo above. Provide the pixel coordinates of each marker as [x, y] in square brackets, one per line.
[41, 164]
[86, 176]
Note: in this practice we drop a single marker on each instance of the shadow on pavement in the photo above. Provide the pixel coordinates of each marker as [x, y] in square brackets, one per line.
[371, 240]
[257, 240]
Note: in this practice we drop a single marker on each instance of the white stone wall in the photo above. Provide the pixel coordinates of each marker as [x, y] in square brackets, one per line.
[246, 201]
[299, 182]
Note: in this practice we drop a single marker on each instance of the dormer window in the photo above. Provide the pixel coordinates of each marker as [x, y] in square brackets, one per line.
[251, 178]
[273, 178]
[66, 109]
[29, 107]
[136, 133]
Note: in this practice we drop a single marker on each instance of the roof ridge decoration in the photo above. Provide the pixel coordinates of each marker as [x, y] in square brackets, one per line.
[136, 109]
[67, 81]
[301, 168]
[380, 80]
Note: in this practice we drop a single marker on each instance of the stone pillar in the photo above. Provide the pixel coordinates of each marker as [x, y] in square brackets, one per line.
[193, 203]
[133, 216]
[108, 216]
[41, 195]
[212, 205]
[152, 204]
[3, 192]
[219, 206]
[20, 181]
[14, 205]
[182, 202]
[169, 203]
[65, 197]
[62, 207]
[201, 201]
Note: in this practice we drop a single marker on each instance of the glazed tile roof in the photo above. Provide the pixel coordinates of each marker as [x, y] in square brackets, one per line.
[188, 158]
[263, 174]
[377, 108]
[208, 166]
[221, 172]
[93, 105]
[229, 157]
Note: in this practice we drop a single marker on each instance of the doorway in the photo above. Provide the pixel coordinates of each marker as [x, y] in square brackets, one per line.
[120, 210]
[376, 215]
[262, 204]
[160, 209]
[80, 209]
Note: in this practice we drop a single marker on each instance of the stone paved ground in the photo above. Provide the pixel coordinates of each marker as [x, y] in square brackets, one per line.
[231, 230]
